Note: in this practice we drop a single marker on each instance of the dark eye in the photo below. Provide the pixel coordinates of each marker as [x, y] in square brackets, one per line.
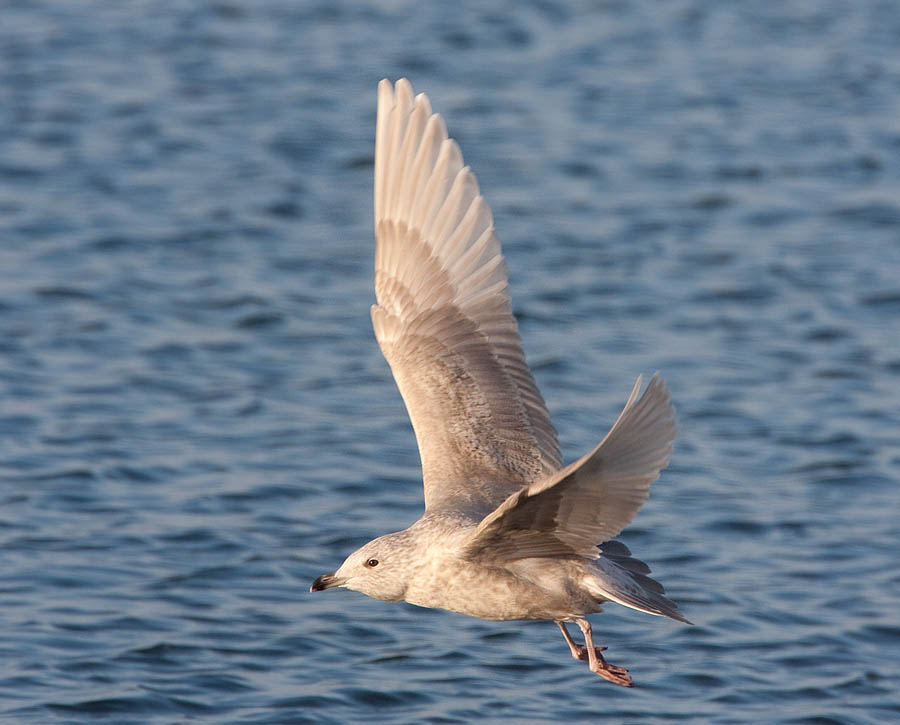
[372, 562]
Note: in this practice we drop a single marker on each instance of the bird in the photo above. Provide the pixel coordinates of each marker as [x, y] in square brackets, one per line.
[508, 532]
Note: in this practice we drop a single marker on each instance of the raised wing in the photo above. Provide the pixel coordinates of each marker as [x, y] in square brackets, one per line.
[443, 317]
[591, 500]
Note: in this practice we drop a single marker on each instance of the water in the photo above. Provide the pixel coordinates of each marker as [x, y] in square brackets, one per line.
[195, 420]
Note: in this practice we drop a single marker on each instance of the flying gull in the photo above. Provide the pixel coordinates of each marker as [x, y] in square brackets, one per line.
[508, 532]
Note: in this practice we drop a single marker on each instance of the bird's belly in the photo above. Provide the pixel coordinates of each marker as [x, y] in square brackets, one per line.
[498, 594]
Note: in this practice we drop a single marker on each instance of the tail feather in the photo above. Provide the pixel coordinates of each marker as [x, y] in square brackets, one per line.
[621, 578]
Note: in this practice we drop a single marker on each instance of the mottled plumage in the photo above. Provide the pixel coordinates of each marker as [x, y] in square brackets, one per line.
[507, 533]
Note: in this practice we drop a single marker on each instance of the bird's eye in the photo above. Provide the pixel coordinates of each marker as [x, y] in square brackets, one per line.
[372, 562]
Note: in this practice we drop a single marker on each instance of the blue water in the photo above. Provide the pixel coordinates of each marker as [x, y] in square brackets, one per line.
[195, 419]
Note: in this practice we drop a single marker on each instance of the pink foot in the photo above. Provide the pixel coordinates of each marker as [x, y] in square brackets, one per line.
[613, 673]
[590, 654]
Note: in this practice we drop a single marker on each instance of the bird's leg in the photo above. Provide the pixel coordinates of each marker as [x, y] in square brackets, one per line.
[578, 652]
[596, 663]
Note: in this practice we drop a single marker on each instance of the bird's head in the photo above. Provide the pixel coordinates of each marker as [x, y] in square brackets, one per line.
[379, 569]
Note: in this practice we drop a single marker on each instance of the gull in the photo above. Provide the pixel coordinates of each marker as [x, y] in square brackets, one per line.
[508, 532]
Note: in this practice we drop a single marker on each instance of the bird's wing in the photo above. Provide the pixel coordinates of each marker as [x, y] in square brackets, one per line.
[443, 318]
[591, 500]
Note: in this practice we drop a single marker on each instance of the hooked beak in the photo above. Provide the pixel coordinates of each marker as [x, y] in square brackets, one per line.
[324, 582]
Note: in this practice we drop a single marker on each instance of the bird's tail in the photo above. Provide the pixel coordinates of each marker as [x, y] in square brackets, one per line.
[617, 576]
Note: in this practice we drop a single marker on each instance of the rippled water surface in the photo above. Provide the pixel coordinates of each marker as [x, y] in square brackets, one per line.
[195, 419]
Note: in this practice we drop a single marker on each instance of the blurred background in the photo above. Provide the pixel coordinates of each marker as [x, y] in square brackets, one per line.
[196, 421]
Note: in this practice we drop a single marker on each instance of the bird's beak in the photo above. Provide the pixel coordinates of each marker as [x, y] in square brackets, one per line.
[324, 582]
